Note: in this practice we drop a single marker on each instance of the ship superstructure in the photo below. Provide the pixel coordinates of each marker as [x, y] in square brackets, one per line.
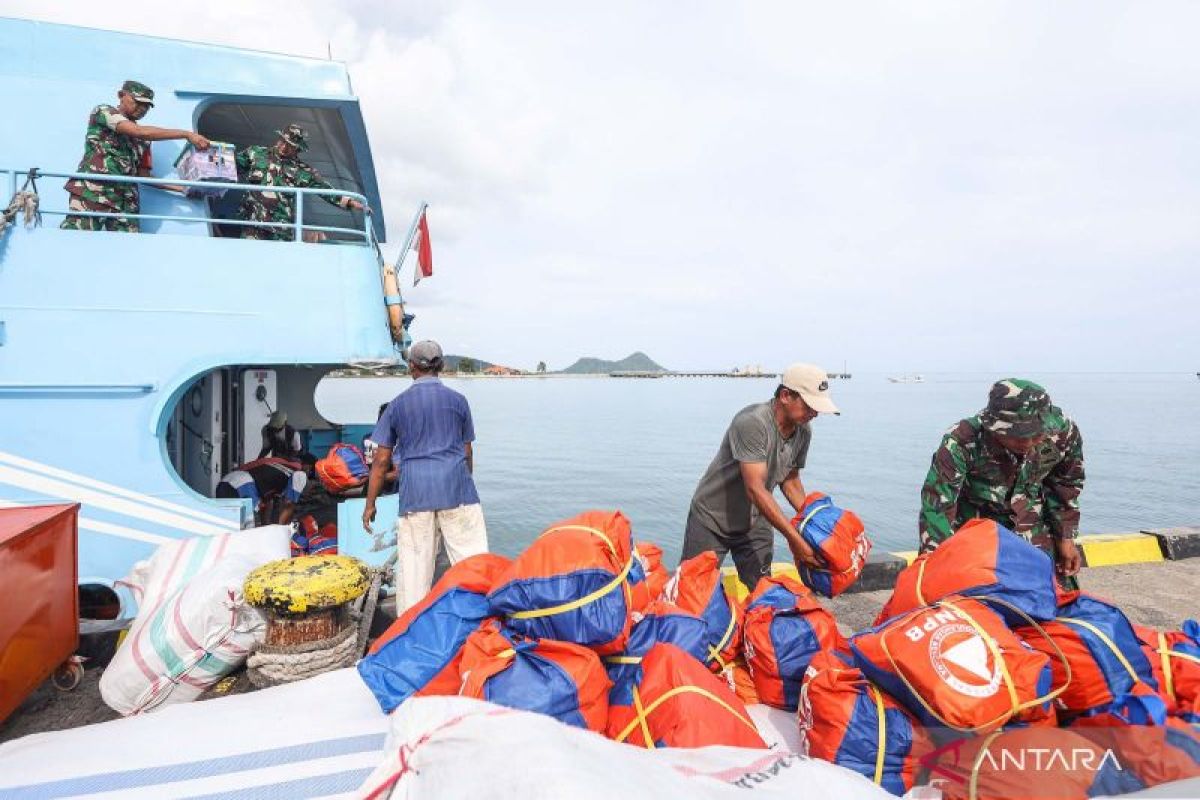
[136, 369]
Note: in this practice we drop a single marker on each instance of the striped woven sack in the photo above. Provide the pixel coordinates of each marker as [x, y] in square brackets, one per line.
[187, 642]
[666, 698]
[572, 583]
[839, 540]
[562, 680]
[419, 653]
[175, 563]
[956, 664]
[847, 720]
[697, 588]
[981, 558]
[784, 627]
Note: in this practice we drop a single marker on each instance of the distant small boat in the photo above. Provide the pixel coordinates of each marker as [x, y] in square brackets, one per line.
[906, 378]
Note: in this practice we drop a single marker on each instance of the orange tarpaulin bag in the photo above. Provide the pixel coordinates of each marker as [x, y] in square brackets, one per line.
[562, 680]
[1175, 660]
[981, 558]
[648, 577]
[1028, 763]
[847, 720]
[697, 588]
[666, 698]
[839, 540]
[784, 627]
[1105, 656]
[419, 653]
[955, 663]
[572, 583]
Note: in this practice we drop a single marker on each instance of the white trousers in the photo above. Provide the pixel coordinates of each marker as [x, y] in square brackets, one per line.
[417, 536]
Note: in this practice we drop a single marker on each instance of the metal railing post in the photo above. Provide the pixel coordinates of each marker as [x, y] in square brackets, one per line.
[299, 215]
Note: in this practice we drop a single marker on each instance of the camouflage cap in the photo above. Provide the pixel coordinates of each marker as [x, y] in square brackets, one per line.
[294, 135]
[138, 91]
[1016, 408]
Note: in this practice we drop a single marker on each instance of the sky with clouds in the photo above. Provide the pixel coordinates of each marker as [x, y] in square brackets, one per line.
[900, 186]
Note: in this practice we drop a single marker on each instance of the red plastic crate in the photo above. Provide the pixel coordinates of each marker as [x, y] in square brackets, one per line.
[39, 617]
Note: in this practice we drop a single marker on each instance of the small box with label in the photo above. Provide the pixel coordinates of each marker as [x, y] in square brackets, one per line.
[215, 164]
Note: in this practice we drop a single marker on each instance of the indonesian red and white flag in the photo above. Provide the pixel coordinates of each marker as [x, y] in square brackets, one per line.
[424, 250]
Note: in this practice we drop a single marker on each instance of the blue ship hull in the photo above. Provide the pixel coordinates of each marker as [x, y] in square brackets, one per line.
[128, 362]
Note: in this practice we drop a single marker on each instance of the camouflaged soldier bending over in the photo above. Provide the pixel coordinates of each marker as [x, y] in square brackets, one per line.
[1018, 462]
[117, 145]
[277, 165]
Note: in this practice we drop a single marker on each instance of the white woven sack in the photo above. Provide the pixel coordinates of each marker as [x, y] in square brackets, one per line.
[183, 645]
[175, 563]
[514, 753]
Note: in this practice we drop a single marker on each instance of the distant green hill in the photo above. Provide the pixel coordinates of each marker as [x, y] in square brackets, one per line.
[637, 362]
[452, 363]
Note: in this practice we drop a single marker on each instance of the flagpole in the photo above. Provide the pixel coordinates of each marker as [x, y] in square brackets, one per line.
[408, 240]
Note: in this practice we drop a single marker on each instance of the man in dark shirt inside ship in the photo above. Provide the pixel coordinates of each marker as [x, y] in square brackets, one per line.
[766, 446]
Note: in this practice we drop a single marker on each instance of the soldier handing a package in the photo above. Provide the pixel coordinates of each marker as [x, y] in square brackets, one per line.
[1018, 462]
[118, 144]
[278, 165]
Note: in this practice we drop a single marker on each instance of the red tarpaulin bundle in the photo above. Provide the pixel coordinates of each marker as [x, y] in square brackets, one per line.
[784, 627]
[1028, 763]
[562, 680]
[419, 652]
[1105, 657]
[981, 558]
[847, 720]
[839, 540]
[1175, 659]
[648, 577]
[955, 663]
[666, 698]
[572, 584]
[697, 588]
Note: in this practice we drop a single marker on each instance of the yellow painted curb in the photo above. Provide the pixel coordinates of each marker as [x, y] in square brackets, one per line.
[732, 584]
[1109, 549]
[909, 556]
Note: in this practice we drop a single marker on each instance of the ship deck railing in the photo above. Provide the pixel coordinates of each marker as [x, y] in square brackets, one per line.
[365, 234]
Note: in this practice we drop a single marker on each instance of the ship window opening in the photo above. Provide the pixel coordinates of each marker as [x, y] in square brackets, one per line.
[97, 601]
[329, 152]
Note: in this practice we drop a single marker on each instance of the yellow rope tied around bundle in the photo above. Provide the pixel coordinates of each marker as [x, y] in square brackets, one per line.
[1165, 654]
[714, 651]
[881, 748]
[1109, 643]
[591, 597]
[973, 790]
[644, 714]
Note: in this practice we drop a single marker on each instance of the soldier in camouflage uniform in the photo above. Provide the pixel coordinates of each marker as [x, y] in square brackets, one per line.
[278, 166]
[116, 144]
[1018, 462]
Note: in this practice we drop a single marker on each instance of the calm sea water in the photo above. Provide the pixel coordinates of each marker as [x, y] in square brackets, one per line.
[549, 448]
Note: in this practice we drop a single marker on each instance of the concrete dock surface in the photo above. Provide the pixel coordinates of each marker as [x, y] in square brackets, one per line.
[1161, 594]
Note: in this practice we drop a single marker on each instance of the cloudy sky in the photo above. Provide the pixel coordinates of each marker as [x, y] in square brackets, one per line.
[901, 186]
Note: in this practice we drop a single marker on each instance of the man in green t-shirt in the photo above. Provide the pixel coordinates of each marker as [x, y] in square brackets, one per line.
[766, 446]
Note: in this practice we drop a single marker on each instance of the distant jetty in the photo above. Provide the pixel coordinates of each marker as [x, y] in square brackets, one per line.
[637, 374]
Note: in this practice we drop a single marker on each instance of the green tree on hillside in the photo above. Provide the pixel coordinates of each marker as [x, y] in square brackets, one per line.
[541, 367]
[467, 364]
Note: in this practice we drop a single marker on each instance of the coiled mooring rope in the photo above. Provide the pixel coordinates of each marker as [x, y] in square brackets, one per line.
[271, 665]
